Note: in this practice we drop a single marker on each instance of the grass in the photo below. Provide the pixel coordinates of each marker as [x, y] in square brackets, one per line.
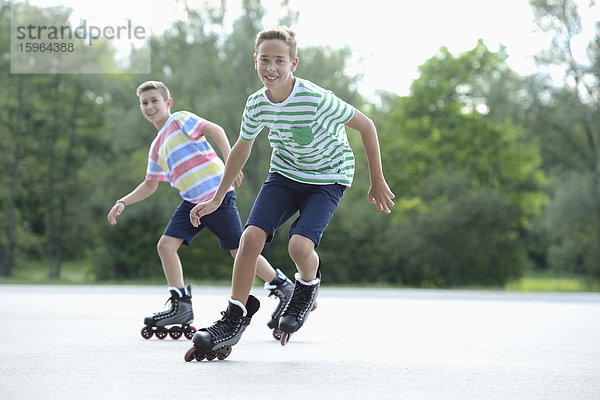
[79, 273]
[549, 282]
[36, 272]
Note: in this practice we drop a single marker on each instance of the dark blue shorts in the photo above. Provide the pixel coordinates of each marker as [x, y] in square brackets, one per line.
[224, 223]
[280, 198]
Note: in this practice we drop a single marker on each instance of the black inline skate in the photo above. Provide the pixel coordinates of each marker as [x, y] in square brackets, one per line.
[283, 291]
[303, 301]
[179, 313]
[216, 340]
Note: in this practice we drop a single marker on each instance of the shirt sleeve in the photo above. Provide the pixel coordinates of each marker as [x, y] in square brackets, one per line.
[192, 124]
[332, 112]
[250, 126]
[154, 172]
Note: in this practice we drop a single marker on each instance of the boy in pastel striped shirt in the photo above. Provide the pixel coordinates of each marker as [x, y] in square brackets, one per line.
[181, 155]
[312, 164]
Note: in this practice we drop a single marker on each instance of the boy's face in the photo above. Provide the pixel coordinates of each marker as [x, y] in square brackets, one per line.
[154, 107]
[274, 66]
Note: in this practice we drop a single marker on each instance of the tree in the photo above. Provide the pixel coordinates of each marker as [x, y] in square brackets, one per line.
[470, 182]
[569, 119]
[50, 128]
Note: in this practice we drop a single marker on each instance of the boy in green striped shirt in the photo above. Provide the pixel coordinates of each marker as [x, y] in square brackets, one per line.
[311, 166]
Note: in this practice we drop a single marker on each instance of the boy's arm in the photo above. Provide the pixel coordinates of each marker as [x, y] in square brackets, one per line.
[379, 192]
[218, 135]
[142, 191]
[233, 166]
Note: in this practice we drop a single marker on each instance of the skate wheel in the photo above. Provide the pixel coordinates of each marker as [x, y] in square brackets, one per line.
[314, 307]
[277, 334]
[191, 354]
[189, 333]
[161, 334]
[175, 332]
[285, 338]
[224, 353]
[146, 332]
[211, 356]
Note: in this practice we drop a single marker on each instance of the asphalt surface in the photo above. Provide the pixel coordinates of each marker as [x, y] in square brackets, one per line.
[84, 342]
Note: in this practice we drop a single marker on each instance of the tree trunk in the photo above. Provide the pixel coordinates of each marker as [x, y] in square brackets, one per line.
[67, 163]
[19, 131]
[50, 195]
[2, 260]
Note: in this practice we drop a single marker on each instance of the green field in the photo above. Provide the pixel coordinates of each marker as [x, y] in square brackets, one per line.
[78, 273]
[549, 282]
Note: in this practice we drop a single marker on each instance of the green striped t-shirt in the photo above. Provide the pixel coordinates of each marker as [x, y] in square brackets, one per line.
[306, 132]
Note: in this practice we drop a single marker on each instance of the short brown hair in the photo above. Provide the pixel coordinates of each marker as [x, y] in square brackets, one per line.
[282, 33]
[158, 85]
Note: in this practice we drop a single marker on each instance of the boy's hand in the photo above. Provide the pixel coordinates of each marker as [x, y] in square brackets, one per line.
[381, 195]
[115, 211]
[239, 179]
[200, 210]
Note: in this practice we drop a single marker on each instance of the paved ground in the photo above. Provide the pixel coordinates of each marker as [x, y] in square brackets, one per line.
[80, 342]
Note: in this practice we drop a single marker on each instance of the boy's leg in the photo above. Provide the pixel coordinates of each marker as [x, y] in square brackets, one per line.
[302, 251]
[178, 231]
[306, 289]
[264, 270]
[167, 251]
[306, 231]
[180, 310]
[273, 206]
[244, 267]
[215, 341]
[226, 225]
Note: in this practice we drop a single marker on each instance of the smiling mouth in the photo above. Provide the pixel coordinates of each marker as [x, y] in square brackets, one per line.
[271, 79]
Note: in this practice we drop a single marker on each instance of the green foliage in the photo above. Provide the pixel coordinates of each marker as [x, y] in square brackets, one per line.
[567, 121]
[50, 128]
[572, 223]
[467, 239]
[469, 185]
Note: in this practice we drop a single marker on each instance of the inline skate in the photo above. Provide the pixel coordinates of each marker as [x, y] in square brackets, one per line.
[216, 341]
[302, 303]
[282, 290]
[179, 313]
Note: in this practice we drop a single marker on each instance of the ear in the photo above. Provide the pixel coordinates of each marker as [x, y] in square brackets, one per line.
[255, 63]
[294, 64]
[169, 102]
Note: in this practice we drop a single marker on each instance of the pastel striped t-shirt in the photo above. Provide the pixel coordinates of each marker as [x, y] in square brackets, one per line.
[181, 155]
[306, 131]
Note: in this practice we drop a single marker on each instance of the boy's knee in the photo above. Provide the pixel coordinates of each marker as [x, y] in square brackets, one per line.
[253, 239]
[167, 245]
[300, 248]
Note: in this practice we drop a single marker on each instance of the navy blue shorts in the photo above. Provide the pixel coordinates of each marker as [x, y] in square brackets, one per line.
[280, 198]
[224, 223]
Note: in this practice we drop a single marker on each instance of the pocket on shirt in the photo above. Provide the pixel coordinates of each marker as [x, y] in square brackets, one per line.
[303, 135]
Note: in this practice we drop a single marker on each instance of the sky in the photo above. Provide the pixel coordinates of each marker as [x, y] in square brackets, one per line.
[390, 39]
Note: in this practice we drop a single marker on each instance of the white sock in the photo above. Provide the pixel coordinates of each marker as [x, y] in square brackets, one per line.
[180, 292]
[239, 304]
[311, 283]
